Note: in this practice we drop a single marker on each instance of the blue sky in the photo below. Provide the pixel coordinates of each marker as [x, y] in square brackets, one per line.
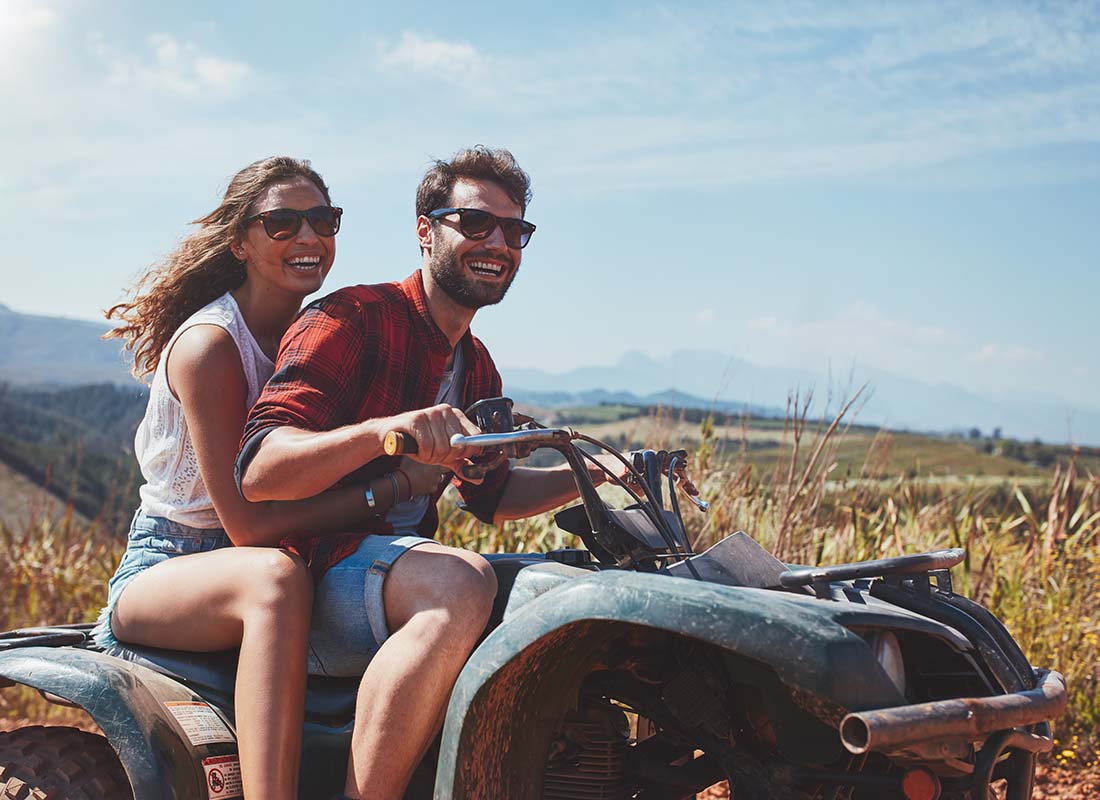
[908, 186]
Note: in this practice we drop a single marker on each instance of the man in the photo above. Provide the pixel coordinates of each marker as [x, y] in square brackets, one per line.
[362, 362]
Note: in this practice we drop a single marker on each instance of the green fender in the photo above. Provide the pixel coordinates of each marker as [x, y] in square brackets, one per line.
[529, 668]
[126, 701]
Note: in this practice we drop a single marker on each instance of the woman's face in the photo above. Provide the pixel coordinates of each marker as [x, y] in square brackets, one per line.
[296, 265]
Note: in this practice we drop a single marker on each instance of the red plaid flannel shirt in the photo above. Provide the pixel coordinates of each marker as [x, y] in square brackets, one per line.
[360, 353]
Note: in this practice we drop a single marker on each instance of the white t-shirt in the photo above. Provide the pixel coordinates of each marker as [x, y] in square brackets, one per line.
[173, 486]
[405, 517]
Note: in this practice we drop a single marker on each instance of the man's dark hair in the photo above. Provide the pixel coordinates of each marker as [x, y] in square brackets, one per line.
[478, 163]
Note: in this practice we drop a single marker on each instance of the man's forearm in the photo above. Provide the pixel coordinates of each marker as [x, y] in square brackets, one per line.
[532, 491]
[292, 464]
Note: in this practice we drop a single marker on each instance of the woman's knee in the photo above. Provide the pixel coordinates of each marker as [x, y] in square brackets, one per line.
[278, 581]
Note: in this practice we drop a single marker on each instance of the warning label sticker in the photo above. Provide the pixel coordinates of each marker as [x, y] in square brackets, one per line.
[200, 722]
[223, 777]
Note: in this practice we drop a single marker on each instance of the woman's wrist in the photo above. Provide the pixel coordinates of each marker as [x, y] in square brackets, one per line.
[382, 493]
[407, 481]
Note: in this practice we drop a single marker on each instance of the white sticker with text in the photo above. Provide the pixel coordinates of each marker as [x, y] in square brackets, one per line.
[200, 722]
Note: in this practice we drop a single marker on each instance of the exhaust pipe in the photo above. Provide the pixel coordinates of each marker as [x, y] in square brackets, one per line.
[971, 718]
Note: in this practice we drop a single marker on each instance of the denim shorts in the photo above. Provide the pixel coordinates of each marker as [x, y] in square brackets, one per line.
[349, 619]
[152, 540]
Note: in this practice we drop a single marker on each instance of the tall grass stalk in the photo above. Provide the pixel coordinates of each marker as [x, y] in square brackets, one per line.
[1032, 548]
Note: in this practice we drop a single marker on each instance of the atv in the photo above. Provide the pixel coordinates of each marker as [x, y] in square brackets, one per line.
[631, 668]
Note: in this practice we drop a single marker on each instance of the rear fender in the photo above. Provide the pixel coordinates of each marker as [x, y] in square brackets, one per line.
[533, 665]
[127, 701]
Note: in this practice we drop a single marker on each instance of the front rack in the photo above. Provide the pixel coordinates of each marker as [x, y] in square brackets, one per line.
[938, 561]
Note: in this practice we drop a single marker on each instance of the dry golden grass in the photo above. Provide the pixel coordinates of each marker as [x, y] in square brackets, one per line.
[1032, 547]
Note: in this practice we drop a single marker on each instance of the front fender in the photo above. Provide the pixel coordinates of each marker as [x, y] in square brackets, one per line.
[533, 663]
[126, 701]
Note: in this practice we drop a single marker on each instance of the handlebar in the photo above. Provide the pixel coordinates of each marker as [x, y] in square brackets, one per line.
[401, 443]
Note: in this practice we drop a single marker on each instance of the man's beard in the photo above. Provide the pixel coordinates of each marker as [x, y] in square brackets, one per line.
[466, 290]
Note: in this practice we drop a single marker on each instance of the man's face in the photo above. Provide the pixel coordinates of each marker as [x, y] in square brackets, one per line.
[474, 272]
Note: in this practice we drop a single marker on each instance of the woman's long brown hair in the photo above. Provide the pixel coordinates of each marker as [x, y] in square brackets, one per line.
[202, 268]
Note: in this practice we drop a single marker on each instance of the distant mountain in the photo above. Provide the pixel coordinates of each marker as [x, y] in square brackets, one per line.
[55, 350]
[724, 382]
[667, 398]
[75, 441]
[64, 352]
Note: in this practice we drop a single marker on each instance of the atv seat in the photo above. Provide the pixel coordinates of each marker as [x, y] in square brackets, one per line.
[329, 701]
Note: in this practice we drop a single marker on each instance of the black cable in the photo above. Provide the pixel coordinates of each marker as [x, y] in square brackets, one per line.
[676, 508]
[650, 511]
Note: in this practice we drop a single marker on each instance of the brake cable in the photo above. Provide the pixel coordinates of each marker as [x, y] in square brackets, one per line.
[676, 509]
[651, 510]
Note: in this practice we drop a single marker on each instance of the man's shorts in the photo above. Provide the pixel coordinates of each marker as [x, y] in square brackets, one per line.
[349, 620]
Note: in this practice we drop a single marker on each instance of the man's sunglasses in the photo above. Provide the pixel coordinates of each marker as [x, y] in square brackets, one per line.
[477, 224]
[282, 223]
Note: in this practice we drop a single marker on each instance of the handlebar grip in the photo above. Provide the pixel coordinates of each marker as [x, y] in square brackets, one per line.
[397, 443]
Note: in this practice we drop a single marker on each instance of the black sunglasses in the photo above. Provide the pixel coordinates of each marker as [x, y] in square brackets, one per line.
[282, 223]
[477, 224]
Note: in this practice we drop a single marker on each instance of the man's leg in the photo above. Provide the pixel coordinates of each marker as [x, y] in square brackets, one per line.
[437, 601]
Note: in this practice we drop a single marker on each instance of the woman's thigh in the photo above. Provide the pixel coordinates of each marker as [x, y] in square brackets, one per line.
[200, 601]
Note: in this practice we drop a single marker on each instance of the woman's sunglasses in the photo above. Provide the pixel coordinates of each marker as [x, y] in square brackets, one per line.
[477, 224]
[282, 223]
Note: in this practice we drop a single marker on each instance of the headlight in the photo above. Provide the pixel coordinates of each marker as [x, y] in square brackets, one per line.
[888, 654]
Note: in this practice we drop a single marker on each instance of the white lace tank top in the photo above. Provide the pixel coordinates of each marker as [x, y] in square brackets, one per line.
[173, 486]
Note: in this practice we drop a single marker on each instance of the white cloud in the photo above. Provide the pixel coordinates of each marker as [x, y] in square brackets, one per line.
[1012, 354]
[860, 333]
[422, 54]
[18, 20]
[180, 68]
[863, 318]
[705, 315]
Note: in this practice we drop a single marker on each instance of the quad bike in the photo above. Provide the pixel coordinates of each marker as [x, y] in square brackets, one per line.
[633, 668]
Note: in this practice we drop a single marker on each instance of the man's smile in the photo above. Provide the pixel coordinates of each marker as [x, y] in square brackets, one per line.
[488, 268]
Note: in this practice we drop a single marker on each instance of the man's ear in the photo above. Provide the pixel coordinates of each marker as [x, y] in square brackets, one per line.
[424, 232]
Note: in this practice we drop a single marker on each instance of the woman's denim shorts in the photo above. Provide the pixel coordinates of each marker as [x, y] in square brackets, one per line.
[152, 540]
[349, 620]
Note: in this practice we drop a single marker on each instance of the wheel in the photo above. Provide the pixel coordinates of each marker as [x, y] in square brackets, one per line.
[39, 763]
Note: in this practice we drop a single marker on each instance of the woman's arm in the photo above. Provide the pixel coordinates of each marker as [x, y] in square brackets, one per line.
[204, 372]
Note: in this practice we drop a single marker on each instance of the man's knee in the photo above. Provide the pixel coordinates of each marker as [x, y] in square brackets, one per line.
[433, 578]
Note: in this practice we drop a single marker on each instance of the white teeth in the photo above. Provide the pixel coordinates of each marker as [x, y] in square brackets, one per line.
[304, 262]
[486, 268]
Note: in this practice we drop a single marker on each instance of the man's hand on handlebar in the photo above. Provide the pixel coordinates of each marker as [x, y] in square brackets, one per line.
[432, 428]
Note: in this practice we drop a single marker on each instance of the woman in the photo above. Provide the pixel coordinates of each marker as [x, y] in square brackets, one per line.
[207, 323]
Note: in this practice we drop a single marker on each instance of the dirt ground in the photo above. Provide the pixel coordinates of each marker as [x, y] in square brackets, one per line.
[1052, 783]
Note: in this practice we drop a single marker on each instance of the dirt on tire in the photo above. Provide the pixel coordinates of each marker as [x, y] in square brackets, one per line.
[41, 762]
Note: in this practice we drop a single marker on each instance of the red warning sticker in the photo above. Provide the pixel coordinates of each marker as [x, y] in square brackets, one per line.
[223, 777]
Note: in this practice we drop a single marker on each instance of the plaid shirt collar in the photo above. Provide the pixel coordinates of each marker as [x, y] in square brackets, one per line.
[429, 331]
[433, 337]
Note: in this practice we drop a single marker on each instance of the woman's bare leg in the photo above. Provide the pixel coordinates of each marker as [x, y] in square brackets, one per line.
[437, 602]
[259, 599]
